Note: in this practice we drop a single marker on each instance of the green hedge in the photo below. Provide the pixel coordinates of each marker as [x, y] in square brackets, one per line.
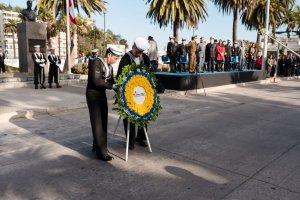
[81, 68]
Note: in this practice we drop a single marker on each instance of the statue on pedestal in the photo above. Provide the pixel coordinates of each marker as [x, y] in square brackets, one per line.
[28, 14]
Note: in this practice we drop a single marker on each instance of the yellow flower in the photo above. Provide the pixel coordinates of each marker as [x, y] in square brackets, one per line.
[139, 81]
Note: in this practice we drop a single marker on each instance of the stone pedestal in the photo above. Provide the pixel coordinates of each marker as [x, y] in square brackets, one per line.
[30, 34]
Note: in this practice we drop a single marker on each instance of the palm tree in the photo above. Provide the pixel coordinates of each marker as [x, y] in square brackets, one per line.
[235, 6]
[288, 16]
[179, 13]
[59, 6]
[52, 25]
[11, 27]
[254, 18]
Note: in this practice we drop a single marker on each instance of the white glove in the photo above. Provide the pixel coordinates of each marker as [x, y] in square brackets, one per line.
[114, 86]
[37, 60]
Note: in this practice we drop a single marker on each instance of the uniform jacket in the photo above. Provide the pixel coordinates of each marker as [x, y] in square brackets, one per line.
[210, 51]
[127, 60]
[182, 49]
[54, 60]
[38, 59]
[171, 49]
[192, 47]
[96, 75]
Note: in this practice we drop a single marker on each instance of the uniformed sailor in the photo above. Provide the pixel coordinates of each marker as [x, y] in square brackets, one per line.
[100, 78]
[39, 65]
[55, 62]
[136, 56]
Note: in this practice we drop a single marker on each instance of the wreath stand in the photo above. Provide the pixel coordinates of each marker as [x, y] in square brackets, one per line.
[127, 137]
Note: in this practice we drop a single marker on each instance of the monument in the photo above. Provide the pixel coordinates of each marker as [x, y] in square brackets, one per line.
[30, 33]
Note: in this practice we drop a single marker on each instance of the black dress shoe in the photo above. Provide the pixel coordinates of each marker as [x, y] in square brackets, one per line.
[142, 143]
[58, 86]
[36, 87]
[131, 147]
[105, 157]
[50, 85]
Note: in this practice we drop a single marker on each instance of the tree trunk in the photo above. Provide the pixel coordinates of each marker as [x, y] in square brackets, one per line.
[235, 22]
[14, 45]
[258, 40]
[175, 30]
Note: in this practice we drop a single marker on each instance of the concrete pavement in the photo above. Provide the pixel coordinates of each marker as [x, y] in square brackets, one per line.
[236, 143]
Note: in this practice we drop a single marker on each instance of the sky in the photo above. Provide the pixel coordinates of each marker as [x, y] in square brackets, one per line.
[128, 19]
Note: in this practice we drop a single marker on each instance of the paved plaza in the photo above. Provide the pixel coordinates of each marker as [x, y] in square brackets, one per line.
[240, 142]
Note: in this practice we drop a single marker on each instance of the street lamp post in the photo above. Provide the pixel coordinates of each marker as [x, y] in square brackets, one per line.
[95, 39]
[264, 60]
[104, 43]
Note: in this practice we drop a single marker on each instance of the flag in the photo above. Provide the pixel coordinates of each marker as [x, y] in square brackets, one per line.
[72, 12]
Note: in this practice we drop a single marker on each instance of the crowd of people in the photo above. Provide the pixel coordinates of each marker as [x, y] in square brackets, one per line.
[221, 55]
[284, 66]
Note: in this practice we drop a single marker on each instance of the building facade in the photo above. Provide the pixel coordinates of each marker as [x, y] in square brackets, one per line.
[8, 43]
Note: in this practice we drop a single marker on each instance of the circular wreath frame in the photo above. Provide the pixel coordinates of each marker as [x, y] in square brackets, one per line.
[122, 110]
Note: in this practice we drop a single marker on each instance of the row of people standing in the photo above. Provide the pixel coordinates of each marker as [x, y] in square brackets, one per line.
[214, 56]
[40, 61]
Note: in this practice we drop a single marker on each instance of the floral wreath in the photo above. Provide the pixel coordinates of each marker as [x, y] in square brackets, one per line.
[136, 95]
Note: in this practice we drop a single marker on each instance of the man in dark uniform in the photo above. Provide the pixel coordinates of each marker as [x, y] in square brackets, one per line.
[171, 52]
[2, 58]
[210, 54]
[182, 53]
[39, 64]
[136, 56]
[54, 61]
[100, 78]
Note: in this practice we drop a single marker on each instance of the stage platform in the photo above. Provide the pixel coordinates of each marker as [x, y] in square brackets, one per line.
[186, 81]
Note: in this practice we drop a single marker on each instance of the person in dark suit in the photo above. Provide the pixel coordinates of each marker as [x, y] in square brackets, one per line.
[182, 53]
[2, 58]
[54, 61]
[210, 54]
[39, 65]
[171, 52]
[100, 78]
[136, 56]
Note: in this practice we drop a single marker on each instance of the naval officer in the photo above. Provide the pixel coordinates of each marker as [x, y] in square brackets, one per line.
[100, 78]
[39, 65]
[55, 62]
[136, 56]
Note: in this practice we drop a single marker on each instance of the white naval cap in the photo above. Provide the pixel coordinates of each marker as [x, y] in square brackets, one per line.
[95, 50]
[115, 51]
[141, 43]
[37, 46]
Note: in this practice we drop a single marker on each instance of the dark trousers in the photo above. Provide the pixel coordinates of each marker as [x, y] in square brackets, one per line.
[251, 64]
[97, 104]
[140, 133]
[2, 67]
[172, 63]
[39, 75]
[227, 63]
[53, 72]
[211, 64]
